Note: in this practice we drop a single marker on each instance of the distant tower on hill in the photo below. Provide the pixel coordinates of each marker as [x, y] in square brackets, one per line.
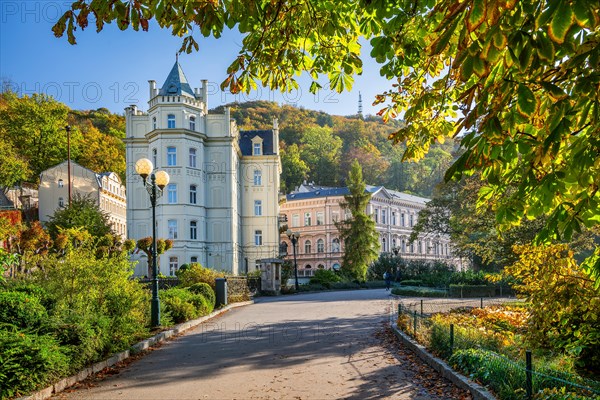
[360, 111]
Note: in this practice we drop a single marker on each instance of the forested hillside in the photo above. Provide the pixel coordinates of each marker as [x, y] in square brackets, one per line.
[315, 146]
[33, 138]
[320, 147]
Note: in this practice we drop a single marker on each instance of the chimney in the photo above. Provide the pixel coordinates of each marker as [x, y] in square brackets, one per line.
[204, 95]
[275, 136]
[152, 85]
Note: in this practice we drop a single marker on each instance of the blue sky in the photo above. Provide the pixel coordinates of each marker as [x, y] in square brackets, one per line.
[111, 69]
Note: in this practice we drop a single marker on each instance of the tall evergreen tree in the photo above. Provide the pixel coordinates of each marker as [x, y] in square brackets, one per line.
[357, 232]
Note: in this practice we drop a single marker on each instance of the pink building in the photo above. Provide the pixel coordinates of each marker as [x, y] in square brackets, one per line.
[312, 211]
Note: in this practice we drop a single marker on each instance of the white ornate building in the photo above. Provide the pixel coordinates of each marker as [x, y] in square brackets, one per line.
[221, 204]
[313, 210]
[105, 189]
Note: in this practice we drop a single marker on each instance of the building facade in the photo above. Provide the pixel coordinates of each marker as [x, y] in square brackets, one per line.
[106, 189]
[312, 211]
[220, 207]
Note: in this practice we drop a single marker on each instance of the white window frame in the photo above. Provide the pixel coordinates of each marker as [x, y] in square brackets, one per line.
[307, 219]
[173, 265]
[257, 177]
[171, 156]
[171, 121]
[172, 229]
[192, 157]
[320, 246]
[193, 230]
[172, 193]
[258, 208]
[258, 238]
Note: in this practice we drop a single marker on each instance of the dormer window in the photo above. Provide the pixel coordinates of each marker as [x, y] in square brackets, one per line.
[171, 121]
[257, 149]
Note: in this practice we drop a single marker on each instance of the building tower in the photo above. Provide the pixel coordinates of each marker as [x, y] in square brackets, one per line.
[208, 207]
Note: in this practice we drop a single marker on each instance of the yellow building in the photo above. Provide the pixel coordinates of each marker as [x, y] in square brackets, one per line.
[105, 189]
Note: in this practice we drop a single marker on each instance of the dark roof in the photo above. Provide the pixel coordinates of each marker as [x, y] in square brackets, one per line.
[176, 83]
[5, 202]
[343, 191]
[246, 142]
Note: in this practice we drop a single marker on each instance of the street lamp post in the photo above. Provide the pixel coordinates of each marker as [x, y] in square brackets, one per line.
[294, 236]
[158, 181]
[68, 129]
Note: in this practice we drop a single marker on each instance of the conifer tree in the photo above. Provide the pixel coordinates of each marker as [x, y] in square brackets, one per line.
[358, 231]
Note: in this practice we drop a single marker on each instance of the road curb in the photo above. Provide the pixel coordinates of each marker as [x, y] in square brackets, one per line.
[134, 349]
[478, 391]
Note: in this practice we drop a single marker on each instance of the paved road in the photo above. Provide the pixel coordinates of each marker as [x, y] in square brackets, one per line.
[311, 346]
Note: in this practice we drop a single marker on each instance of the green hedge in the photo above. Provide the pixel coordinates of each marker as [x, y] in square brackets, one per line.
[28, 360]
[418, 291]
[21, 309]
[181, 305]
[472, 291]
[205, 290]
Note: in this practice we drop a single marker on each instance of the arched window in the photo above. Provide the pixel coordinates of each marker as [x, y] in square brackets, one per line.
[61, 183]
[153, 122]
[155, 158]
[307, 247]
[320, 266]
[171, 121]
[192, 123]
[383, 245]
[320, 246]
[335, 245]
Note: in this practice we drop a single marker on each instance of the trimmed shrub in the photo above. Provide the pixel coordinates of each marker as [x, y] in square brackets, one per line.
[205, 290]
[178, 304]
[84, 338]
[21, 309]
[419, 291]
[196, 273]
[182, 305]
[472, 291]
[28, 361]
[325, 277]
[411, 282]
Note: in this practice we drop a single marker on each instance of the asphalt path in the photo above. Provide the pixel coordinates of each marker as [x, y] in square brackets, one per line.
[328, 345]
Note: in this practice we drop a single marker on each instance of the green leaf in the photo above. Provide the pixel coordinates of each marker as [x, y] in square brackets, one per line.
[582, 13]
[476, 14]
[545, 48]
[442, 42]
[561, 22]
[526, 101]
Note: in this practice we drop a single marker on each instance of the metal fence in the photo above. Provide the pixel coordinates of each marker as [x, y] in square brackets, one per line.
[484, 356]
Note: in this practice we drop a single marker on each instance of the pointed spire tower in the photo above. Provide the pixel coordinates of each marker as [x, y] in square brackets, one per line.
[360, 110]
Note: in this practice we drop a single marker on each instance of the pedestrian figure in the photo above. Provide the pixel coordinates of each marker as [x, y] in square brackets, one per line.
[387, 276]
